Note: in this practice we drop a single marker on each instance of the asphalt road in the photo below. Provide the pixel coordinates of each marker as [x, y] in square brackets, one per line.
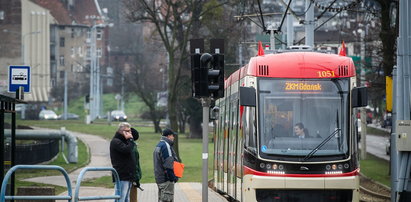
[376, 146]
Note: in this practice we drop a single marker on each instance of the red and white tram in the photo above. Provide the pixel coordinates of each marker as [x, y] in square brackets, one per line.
[257, 155]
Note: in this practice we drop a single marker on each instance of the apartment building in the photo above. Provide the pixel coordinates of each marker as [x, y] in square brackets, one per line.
[57, 38]
[26, 25]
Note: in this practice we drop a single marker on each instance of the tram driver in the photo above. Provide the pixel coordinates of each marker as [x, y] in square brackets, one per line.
[300, 131]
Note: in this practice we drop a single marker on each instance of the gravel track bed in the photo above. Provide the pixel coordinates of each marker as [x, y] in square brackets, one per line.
[372, 191]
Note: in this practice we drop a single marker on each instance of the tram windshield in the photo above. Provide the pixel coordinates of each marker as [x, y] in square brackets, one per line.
[305, 118]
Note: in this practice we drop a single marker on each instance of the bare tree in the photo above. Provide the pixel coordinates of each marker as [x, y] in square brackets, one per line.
[175, 23]
[387, 13]
[172, 20]
[389, 33]
[143, 78]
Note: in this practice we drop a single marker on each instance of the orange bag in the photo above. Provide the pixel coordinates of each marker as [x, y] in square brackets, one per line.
[178, 169]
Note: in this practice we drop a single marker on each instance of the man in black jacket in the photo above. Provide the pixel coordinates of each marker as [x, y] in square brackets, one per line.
[121, 154]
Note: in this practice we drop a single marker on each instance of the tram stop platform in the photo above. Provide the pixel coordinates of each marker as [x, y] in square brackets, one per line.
[184, 191]
[100, 157]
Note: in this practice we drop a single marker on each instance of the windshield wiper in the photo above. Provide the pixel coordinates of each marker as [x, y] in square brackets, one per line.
[309, 155]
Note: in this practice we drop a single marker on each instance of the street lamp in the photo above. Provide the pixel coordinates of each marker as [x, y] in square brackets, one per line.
[23, 55]
[23, 40]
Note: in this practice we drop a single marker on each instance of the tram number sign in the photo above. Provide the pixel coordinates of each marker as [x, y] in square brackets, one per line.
[326, 74]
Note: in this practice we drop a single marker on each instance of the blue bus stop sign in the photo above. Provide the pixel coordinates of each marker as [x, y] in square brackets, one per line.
[19, 76]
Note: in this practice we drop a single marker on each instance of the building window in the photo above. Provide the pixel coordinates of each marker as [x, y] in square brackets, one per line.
[109, 82]
[79, 68]
[109, 71]
[88, 52]
[80, 51]
[61, 74]
[1, 15]
[88, 35]
[62, 60]
[62, 41]
[72, 32]
[99, 34]
[99, 52]
[73, 52]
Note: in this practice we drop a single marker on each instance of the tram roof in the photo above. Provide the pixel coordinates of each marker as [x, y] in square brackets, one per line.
[296, 65]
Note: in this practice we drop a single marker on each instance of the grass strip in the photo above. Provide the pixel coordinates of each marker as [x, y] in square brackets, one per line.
[376, 169]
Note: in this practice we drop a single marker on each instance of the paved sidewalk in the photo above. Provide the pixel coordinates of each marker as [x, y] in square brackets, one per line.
[100, 157]
[185, 191]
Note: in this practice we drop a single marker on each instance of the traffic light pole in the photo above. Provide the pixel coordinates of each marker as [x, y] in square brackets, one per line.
[207, 76]
[205, 102]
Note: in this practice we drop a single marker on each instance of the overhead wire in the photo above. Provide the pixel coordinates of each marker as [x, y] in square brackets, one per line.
[325, 10]
[305, 10]
[321, 25]
[285, 14]
[262, 17]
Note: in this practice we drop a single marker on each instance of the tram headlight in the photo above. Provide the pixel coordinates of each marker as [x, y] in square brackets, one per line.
[262, 165]
[275, 166]
[340, 166]
[327, 167]
[346, 166]
[334, 167]
[281, 167]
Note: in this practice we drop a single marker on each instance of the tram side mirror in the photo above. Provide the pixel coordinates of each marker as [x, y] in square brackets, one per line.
[247, 96]
[214, 112]
[359, 97]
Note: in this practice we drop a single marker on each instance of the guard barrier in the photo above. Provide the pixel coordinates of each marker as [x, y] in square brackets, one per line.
[63, 134]
[3, 196]
[69, 196]
[80, 178]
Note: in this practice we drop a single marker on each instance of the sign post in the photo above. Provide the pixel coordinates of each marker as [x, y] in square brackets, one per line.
[19, 76]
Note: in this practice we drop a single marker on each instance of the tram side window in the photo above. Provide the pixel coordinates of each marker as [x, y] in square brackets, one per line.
[251, 131]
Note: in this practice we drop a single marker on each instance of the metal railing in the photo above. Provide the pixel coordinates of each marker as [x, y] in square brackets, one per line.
[80, 178]
[9, 173]
[69, 197]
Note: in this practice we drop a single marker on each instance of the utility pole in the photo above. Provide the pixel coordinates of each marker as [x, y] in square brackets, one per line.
[363, 113]
[272, 38]
[240, 54]
[65, 95]
[401, 168]
[122, 91]
[290, 27]
[309, 24]
[92, 76]
[98, 82]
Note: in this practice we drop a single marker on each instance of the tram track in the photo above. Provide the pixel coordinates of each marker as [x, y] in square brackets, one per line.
[373, 191]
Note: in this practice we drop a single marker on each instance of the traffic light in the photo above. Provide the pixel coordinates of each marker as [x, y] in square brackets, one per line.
[216, 73]
[207, 71]
[216, 76]
[199, 82]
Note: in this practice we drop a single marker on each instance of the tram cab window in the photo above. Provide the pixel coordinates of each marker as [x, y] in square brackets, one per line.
[322, 107]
